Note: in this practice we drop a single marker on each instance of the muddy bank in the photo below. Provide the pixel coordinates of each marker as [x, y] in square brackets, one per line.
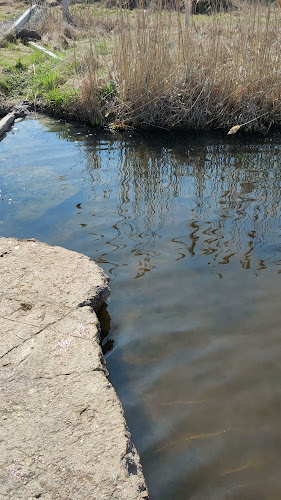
[63, 432]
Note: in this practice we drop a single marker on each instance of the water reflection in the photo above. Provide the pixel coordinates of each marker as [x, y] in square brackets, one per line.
[188, 228]
[218, 201]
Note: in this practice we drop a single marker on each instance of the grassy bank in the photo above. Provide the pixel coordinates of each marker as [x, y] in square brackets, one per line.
[143, 68]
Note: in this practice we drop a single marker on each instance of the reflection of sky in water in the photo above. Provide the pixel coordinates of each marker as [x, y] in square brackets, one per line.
[34, 178]
[189, 231]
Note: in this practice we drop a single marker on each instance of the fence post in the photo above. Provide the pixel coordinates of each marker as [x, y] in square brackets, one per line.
[65, 11]
[187, 12]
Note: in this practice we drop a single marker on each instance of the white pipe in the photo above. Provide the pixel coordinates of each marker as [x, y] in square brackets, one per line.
[36, 46]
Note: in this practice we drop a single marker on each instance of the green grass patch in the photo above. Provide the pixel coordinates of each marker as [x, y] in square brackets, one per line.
[29, 74]
[61, 99]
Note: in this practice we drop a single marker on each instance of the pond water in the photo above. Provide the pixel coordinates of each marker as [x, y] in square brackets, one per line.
[188, 229]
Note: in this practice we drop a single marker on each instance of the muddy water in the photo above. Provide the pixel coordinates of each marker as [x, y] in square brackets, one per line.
[188, 229]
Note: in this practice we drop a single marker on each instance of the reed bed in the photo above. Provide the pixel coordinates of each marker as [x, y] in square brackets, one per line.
[144, 68]
[223, 70]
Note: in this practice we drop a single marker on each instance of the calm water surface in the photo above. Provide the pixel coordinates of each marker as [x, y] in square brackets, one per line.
[188, 229]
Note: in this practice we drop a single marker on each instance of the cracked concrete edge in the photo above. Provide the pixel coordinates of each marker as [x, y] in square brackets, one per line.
[59, 352]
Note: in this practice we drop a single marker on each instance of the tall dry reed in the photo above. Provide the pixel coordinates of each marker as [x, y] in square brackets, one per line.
[144, 68]
[223, 70]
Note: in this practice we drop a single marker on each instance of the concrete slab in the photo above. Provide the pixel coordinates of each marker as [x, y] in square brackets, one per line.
[24, 18]
[6, 123]
[63, 435]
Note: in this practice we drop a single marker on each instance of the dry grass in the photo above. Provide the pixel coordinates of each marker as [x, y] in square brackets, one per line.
[10, 9]
[144, 69]
[224, 70]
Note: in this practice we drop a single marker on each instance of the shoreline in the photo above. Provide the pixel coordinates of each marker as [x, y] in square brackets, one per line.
[21, 109]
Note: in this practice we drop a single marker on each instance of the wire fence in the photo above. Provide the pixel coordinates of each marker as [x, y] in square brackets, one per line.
[43, 7]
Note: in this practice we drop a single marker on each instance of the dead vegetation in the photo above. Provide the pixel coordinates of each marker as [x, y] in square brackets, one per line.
[152, 71]
[143, 68]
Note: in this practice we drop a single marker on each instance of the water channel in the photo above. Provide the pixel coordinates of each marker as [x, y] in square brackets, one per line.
[188, 229]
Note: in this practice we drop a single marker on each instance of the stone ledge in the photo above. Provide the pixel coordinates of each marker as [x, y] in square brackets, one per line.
[63, 434]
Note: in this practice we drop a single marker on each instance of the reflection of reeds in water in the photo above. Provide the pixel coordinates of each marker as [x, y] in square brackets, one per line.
[215, 203]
